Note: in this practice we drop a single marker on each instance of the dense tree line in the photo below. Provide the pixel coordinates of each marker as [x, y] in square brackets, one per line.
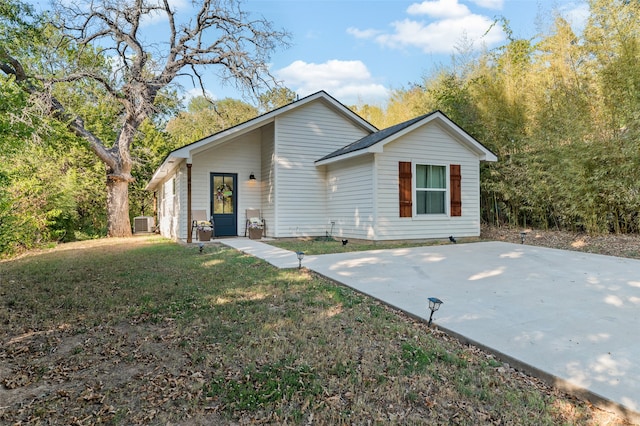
[561, 111]
[94, 76]
[94, 68]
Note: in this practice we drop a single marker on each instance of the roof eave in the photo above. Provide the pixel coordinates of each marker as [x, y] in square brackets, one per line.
[480, 150]
[370, 150]
[167, 166]
[187, 151]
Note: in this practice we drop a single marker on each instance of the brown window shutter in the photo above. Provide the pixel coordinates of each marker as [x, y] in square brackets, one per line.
[404, 180]
[456, 189]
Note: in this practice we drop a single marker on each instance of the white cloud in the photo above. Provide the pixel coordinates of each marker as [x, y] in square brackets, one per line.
[576, 14]
[349, 81]
[449, 23]
[365, 34]
[441, 36]
[490, 4]
[439, 9]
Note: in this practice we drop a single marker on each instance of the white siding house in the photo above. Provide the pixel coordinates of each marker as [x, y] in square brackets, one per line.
[314, 167]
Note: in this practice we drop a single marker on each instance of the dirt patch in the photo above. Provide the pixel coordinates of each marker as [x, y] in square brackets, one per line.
[610, 244]
[82, 375]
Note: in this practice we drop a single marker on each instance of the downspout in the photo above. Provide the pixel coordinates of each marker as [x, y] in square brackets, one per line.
[189, 230]
[156, 219]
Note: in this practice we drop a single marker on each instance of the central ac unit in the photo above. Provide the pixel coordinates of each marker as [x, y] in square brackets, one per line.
[143, 224]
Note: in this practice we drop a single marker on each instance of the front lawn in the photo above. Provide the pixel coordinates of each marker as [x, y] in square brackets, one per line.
[146, 331]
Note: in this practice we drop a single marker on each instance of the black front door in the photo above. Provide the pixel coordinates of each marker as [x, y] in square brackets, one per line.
[224, 203]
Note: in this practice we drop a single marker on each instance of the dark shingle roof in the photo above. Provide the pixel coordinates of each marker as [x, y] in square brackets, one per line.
[374, 138]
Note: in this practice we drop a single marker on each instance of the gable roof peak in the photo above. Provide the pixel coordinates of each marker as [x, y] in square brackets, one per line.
[186, 151]
[375, 141]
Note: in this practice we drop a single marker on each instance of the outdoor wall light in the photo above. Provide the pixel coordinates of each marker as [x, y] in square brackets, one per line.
[434, 305]
[522, 237]
[300, 255]
[252, 176]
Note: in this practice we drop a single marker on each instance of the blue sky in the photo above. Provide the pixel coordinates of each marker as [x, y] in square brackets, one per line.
[360, 50]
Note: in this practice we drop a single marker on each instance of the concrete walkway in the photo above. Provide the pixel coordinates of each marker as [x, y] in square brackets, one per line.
[571, 318]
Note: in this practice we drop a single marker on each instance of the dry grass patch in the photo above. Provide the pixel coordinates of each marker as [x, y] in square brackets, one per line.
[145, 331]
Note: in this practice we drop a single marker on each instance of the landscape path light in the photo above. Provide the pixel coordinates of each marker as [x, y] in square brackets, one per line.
[522, 237]
[300, 255]
[434, 305]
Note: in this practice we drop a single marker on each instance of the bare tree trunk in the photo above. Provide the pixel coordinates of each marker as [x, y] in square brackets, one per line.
[236, 43]
[118, 223]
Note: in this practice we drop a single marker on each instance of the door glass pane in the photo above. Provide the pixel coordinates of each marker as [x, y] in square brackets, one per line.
[223, 193]
[218, 198]
[228, 194]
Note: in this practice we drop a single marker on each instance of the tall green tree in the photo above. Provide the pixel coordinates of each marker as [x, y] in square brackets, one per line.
[275, 98]
[204, 117]
[103, 44]
[561, 111]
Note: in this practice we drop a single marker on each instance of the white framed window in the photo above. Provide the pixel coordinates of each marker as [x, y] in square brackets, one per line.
[431, 189]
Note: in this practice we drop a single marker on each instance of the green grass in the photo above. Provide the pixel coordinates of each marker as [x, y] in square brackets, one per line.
[322, 245]
[145, 331]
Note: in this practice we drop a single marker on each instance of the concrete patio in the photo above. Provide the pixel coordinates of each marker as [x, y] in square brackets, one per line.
[570, 318]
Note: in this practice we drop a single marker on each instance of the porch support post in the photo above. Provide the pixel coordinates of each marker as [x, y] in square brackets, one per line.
[190, 230]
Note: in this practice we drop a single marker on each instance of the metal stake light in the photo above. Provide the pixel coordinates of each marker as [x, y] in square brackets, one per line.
[522, 236]
[434, 305]
[300, 255]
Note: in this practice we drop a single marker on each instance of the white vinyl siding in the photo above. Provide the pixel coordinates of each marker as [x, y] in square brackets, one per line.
[241, 156]
[303, 136]
[167, 208]
[267, 178]
[297, 198]
[429, 144]
[350, 198]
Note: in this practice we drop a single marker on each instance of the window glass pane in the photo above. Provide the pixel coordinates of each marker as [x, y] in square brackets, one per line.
[436, 177]
[421, 202]
[431, 186]
[435, 202]
[430, 202]
[421, 176]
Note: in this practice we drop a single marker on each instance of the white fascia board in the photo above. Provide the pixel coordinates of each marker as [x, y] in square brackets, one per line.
[377, 148]
[168, 166]
[188, 151]
[483, 153]
[346, 111]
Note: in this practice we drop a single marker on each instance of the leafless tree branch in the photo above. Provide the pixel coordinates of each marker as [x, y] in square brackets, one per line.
[218, 34]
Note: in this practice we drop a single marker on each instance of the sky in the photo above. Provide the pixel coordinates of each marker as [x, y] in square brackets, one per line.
[359, 51]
